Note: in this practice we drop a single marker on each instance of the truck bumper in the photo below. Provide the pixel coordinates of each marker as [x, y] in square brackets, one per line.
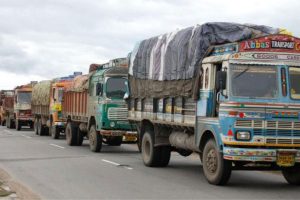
[25, 119]
[117, 133]
[257, 155]
[60, 124]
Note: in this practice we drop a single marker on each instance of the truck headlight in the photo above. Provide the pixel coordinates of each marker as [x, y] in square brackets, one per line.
[243, 135]
[112, 124]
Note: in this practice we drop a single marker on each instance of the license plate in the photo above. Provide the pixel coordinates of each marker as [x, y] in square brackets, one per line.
[285, 159]
[130, 138]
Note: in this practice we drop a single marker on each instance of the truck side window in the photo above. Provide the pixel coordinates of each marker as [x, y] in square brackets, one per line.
[206, 78]
[53, 94]
[92, 89]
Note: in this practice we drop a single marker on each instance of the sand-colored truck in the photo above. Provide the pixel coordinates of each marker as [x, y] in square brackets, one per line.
[47, 97]
[94, 106]
[21, 114]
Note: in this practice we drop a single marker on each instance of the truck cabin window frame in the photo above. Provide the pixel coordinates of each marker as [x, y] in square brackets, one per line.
[294, 77]
[24, 97]
[60, 94]
[253, 81]
[116, 88]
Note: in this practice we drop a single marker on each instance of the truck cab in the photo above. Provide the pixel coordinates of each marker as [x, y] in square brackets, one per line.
[22, 107]
[57, 121]
[107, 107]
[250, 101]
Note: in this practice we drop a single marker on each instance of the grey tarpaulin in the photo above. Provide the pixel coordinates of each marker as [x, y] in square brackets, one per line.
[165, 65]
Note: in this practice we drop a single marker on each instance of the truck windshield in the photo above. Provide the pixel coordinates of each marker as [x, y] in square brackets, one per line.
[294, 73]
[253, 81]
[116, 87]
[24, 97]
[60, 94]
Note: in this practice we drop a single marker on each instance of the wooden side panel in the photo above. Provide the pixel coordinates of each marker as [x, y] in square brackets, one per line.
[75, 104]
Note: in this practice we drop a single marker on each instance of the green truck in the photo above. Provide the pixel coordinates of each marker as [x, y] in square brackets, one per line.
[94, 107]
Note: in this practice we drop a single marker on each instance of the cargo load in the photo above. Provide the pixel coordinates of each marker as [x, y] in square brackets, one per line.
[168, 65]
[41, 93]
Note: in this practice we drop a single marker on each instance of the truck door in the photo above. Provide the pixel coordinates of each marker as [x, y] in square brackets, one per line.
[206, 103]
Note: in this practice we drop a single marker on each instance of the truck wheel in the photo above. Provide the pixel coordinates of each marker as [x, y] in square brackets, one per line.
[154, 156]
[7, 123]
[217, 170]
[18, 125]
[95, 139]
[114, 141]
[3, 122]
[80, 136]
[139, 143]
[40, 128]
[292, 174]
[31, 125]
[55, 133]
[71, 134]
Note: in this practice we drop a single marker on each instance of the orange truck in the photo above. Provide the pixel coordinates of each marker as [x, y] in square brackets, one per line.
[47, 97]
[21, 115]
[6, 104]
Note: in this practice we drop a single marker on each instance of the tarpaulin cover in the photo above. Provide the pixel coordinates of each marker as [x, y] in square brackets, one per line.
[41, 93]
[168, 65]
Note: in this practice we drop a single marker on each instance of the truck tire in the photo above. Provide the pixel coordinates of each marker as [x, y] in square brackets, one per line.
[55, 132]
[7, 123]
[139, 142]
[95, 139]
[3, 122]
[31, 125]
[154, 156]
[36, 126]
[114, 141]
[18, 125]
[217, 170]
[80, 136]
[292, 174]
[40, 128]
[71, 134]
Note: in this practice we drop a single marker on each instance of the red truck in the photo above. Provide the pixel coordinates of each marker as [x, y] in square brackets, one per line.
[6, 105]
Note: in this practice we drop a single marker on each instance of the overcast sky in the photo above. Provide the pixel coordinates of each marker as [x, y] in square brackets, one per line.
[43, 39]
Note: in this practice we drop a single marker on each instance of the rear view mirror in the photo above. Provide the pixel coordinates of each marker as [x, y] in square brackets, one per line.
[221, 80]
[99, 89]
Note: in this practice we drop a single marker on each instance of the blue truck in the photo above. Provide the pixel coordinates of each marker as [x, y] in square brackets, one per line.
[245, 115]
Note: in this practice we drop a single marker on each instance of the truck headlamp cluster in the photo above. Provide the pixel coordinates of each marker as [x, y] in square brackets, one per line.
[243, 135]
[112, 124]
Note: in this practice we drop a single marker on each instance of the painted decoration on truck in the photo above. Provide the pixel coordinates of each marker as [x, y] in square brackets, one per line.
[272, 43]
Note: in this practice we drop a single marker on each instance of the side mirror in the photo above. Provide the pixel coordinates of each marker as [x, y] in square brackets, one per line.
[126, 96]
[221, 80]
[99, 89]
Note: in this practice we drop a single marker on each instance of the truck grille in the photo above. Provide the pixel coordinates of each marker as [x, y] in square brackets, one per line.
[276, 132]
[117, 113]
[267, 124]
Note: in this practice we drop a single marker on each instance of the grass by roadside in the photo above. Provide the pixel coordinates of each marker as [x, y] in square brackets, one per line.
[3, 191]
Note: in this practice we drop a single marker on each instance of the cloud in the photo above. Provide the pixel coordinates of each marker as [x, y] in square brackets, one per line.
[52, 38]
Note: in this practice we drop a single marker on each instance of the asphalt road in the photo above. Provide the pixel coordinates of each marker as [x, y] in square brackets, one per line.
[54, 170]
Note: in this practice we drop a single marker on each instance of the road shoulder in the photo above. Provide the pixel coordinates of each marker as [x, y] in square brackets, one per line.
[14, 189]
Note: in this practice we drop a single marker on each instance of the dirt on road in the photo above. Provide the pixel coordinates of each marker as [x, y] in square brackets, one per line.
[12, 189]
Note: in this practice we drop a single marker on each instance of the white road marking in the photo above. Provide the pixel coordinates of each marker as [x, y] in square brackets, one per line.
[55, 145]
[111, 162]
[116, 164]
[28, 137]
[7, 132]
